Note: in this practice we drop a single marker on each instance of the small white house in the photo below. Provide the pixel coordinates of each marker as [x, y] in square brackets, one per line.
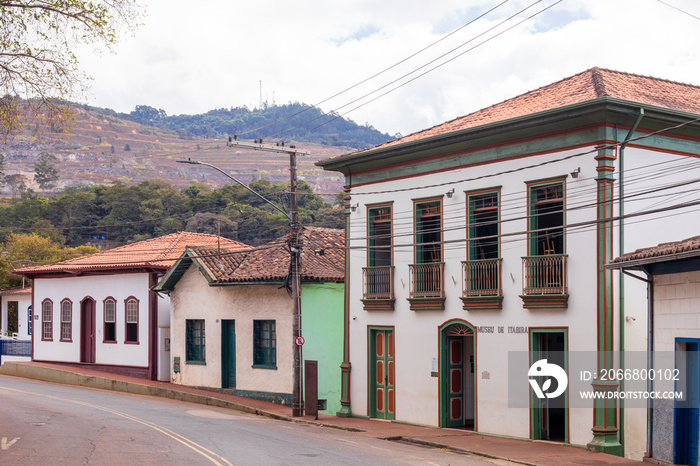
[15, 313]
[100, 309]
[232, 317]
[672, 272]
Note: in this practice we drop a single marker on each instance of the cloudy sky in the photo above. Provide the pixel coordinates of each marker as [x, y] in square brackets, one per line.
[191, 57]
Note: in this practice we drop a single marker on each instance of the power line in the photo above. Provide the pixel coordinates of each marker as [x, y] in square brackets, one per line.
[378, 73]
[428, 71]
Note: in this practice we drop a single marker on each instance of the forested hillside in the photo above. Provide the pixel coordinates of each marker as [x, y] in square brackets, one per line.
[293, 121]
[107, 216]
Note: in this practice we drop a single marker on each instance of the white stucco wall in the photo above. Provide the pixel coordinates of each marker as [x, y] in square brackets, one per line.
[24, 300]
[416, 332]
[98, 287]
[194, 299]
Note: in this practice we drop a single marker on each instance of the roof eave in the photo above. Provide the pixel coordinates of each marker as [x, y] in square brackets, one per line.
[581, 111]
[640, 263]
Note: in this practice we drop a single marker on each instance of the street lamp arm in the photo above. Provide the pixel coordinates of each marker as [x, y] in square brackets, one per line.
[195, 162]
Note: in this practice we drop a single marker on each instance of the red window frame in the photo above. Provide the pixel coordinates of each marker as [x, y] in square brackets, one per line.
[131, 329]
[66, 324]
[46, 324]
[113, 322]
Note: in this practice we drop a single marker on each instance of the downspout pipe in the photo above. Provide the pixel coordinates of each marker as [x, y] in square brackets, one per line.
[621, 287]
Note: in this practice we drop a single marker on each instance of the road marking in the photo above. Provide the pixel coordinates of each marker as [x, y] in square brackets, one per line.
[5, 445]
[208, 454]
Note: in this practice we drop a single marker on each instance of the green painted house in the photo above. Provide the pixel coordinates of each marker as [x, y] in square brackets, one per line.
[232, 317]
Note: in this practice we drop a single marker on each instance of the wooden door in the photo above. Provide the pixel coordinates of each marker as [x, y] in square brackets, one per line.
[87, 331]
[228, 354]
[455, 368]
[382, 373]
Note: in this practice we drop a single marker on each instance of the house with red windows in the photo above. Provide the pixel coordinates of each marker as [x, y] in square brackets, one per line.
[477, 248]
[100, 310]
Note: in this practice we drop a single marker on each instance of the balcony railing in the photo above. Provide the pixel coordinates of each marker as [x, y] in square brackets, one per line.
[545, 274]
[427, 280]
[482, 277]
[378, 282]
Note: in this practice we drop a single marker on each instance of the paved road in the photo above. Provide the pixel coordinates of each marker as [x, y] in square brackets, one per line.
[43, 423]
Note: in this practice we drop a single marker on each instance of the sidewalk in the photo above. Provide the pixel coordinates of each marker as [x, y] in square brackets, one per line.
[517, 451]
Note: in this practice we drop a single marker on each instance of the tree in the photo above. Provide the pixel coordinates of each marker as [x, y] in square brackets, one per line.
[17, 183]
[45, 171]
[127, 147]
[2, 170]
[38, 68]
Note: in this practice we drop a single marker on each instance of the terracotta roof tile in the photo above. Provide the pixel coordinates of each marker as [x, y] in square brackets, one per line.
[19, 290]
[160, 253]
[663, 249]
[270, 262]
[588, 85]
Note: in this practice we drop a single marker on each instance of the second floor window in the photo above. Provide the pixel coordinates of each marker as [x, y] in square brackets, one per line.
[483, 226]
[428, 232]
[379, 241]
[546, 214]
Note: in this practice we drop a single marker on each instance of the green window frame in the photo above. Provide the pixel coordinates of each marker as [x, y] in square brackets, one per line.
[264, 344]
[379, 240]
[428, 231]
[483, 222]
[195, 341]
[546, 212]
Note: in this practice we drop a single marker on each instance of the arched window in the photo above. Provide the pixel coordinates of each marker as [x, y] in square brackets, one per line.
[66, 320]
[110, 320]
[47, 320]
[132, 320]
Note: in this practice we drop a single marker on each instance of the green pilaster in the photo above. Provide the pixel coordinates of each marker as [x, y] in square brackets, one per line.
[605, 427]
[346, 367]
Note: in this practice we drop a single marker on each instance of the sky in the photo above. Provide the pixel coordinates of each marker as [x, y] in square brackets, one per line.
[233, 53]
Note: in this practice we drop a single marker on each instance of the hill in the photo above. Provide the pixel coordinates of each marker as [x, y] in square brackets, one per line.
[103, 146]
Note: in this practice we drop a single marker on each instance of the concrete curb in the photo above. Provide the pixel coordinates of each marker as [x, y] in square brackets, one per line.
[54, 375]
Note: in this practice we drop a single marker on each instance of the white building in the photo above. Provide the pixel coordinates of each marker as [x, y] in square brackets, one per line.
[242, 340]
[478, 241]
[672, 271]
[100, 309]
[15, 313]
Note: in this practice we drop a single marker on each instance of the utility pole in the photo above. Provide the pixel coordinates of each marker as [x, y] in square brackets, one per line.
[295, 249]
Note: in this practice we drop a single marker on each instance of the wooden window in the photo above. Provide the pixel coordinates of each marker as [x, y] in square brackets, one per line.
[264, 344]
[483, 226]
[47, 320]
[195, 342]
[66, 320]
[110, 320]
[379, 237]
[546, 223]
[132, 320]
[428, 232]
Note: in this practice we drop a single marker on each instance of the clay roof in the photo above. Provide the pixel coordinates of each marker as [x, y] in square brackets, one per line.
[270, 262]
[158, 253]
[19, 290]
[664, 251]
[588, 85]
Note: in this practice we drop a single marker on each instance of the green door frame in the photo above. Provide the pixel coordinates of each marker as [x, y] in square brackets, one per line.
[535, 411]
[389, 387]
[444, 373]
[228, 354]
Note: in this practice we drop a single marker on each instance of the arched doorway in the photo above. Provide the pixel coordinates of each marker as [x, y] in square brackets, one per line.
[457, 375]
[87, 330]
